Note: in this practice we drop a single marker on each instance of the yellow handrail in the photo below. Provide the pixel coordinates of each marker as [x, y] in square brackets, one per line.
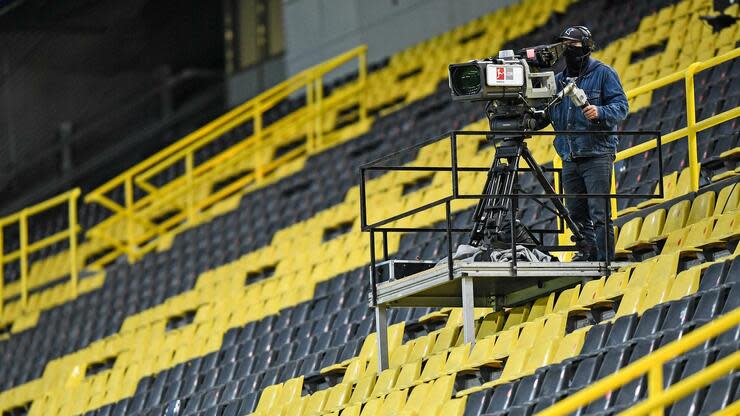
[21, 255]
[692, 126]
[183, 198]
[652, 366]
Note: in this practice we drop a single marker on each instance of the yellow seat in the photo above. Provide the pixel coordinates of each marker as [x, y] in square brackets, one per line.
[590, 293]
[315, 403]
[727, 228]
[567, 299]
[372, 407]
[482, 355]
[676, 219]
[393, 403]
[542, 354]
[454, 407]
[627, 235]
[683, 185]
[640, 273]
[268, 398]
[613, 288]
[445, 339]
[701, 208]
[727, 200]
[456, 359]
[440, 393]
[631, 301]
[516, 316]
[385, 382]
[491, 324]
[686, 283]
[699, 233]
[513, 368]
[409, 375]
[675, 241]
[400, 355]
[528, 334]
[362, 390]
[416, 400]
[291, 390]
[433, 368]
[652, 226]
[421, 348]
[656, 291]
[355, 370]
[338, 397]
[353, 410]
[541, 307]
[570, 345]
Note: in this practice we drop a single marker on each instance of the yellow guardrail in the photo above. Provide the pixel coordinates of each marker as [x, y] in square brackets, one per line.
[652, 366]
[692, 126]
[21, 255]
[135, 223]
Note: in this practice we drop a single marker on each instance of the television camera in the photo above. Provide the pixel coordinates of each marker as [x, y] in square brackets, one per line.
[519, 90]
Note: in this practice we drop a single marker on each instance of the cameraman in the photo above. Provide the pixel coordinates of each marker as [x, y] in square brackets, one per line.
[587, 159]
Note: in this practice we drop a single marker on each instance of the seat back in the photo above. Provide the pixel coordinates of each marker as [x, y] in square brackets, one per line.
[677, 216]
[652, 225]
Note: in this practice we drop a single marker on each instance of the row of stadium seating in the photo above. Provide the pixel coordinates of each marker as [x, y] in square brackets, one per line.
[131, 289]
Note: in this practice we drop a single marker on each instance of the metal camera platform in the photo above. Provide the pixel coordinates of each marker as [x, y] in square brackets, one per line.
[477, 284]
[409, 283]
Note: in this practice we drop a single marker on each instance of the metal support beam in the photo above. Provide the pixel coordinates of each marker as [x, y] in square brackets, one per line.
[381, 328]
[468, 313]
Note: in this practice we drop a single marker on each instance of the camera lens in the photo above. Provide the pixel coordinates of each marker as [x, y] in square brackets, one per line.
[466, 80]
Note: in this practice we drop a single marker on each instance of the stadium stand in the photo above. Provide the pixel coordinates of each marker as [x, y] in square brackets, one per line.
[261, 306]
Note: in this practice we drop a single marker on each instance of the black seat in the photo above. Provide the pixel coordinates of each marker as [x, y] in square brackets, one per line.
[690, 404]
[635, 390]
[501, 398]
[595, 338]
[713, 276]
[621, 330]
[477, 402]
[556, 379]
[585, 373]
[650, 321]
[720, 394]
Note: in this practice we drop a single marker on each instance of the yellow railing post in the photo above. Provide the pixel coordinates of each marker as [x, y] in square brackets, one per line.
[310, 131]
[73, 239]
[362, 78]
[691, 126]
[129, 207]
[257, 123]
[318, 114]
[655, 385]
[613, 201]
[191, 191]
[23, 231]
[2, 269]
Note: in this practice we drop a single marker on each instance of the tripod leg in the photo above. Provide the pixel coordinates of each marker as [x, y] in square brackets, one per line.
[547, 186]
[481, 215]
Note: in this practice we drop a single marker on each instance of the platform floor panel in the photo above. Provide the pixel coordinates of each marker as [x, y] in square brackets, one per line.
[493, 283]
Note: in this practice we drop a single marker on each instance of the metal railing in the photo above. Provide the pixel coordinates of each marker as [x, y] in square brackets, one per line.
[26, 248]
[148, 210]
[692, 126]
[652, 366]
[386, 225]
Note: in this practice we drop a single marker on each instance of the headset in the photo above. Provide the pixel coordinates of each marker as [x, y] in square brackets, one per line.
[587, 41]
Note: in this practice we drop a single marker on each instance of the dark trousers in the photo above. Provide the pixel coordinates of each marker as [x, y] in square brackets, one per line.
[591, 175]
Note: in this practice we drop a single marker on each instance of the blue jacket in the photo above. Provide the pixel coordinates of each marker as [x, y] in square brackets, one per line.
[604, 90]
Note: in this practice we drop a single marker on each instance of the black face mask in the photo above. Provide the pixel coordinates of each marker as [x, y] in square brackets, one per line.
[576, 59]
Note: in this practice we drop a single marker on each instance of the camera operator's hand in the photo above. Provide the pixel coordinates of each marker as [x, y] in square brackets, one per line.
[591, 112]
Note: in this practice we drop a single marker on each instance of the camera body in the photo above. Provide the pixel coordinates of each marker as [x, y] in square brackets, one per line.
[507, 76]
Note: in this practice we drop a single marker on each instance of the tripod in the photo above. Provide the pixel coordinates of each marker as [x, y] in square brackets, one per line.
[502, 179]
